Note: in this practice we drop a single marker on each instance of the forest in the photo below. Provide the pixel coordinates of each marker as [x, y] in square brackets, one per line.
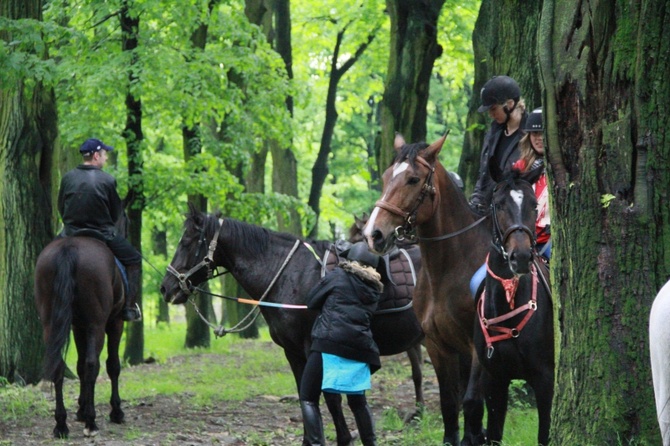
[282, 114]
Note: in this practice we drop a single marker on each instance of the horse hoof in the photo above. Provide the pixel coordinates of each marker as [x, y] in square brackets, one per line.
[90, 432]
[61, 433]
[117, 417]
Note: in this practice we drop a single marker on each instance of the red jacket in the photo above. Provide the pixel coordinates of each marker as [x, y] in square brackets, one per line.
[542, 195]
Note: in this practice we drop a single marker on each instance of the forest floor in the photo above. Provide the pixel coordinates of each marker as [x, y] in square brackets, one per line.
[175, 420]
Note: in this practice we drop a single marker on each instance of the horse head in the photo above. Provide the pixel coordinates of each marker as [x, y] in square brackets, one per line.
[193, 261]
[514, 211]
[409, 196]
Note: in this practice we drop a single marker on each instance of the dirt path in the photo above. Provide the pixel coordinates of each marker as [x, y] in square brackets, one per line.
[262, 420]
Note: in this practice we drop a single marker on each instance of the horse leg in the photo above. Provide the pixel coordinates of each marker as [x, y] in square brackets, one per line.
[113, 364]
[89, 347]
[473, 406]
[80, 343]
[543, 386]
[447, 372]
[333, 400]
[497, 391]
[414, 355]
[61, 430]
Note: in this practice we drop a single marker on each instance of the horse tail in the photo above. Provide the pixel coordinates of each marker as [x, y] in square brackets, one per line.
[64, 288]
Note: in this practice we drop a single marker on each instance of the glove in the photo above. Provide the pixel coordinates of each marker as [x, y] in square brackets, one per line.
[477, 206]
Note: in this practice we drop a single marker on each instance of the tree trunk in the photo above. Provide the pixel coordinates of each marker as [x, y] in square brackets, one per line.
[285, 165]
[504, 42]
[413, 52]
[605, 66]
[130, 25]
[28, 135]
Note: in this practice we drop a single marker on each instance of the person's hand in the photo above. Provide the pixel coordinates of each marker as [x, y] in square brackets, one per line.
[477, 206]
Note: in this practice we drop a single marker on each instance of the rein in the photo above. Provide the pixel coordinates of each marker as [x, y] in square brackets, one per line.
[490, 325]
[406, 230]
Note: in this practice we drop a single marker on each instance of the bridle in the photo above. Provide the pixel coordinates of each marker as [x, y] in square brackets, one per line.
[500, 239]
[406, 230]
[184, 278]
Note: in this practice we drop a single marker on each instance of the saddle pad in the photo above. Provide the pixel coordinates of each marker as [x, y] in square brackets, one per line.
[397, 273]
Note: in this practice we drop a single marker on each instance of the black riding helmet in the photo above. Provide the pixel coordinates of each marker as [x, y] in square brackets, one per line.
[534, 121]
[498, 90]
[359, 252]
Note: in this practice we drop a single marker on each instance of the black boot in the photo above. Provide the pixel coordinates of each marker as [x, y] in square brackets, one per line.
[311, 420]
[366, 427]
[131, 311]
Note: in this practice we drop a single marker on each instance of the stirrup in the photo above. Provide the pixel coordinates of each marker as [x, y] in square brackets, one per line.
[131, 314]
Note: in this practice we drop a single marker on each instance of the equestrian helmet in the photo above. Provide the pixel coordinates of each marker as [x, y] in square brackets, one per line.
[497, 90]
[534, 121]
[360, 253]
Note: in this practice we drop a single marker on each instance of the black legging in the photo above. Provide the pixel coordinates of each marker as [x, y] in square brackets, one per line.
[310, 385]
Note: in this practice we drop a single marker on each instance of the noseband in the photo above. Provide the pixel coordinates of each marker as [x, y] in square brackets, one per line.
[406, 230]
[183, 278]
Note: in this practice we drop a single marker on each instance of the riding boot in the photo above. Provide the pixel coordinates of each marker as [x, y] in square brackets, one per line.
[131, 311]
[366, 428]
[311, 420]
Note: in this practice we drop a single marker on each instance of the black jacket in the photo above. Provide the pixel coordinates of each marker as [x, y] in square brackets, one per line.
[347, 298]
[88, 199]
[485, 181]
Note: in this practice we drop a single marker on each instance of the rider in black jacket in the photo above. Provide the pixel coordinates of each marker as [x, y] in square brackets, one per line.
[501, 98]
[343, 353]
[88, 200]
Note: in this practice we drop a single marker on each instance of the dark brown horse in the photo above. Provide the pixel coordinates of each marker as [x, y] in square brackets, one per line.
[420, 197]
[278, 270]
[78, 285]
[514, 337]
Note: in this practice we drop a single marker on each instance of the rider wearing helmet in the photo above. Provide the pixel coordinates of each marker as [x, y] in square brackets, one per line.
[343, 354]
[531, 148]
[501, 98]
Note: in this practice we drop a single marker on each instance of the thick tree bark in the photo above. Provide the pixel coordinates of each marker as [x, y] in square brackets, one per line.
[605, 66]
[413, 52]
[504, 42]
[28, 135]
[132, 133]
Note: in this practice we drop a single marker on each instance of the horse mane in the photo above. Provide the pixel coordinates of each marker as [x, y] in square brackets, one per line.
[410, 152]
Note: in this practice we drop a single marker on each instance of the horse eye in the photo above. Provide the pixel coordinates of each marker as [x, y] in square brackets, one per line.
[413, 180]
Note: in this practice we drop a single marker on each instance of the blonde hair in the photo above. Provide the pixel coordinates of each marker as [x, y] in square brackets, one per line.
[527, 153]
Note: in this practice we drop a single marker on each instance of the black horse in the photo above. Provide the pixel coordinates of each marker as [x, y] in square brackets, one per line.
[514, 334]
[278, 269]
[78, 285]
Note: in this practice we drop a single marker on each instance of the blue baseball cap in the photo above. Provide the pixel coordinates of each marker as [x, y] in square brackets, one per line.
[93, 145]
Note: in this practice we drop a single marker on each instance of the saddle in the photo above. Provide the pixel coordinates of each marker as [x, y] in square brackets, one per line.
[397, 274]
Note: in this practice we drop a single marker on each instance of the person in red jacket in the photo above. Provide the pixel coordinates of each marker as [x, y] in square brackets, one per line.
[531, 149]
[343, 353]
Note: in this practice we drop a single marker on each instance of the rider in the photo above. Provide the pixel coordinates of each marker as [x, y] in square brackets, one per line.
[501, 97]
[531, 147]
[88, 200]
[343, 354]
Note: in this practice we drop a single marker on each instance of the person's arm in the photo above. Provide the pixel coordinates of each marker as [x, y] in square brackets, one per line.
[319, 293]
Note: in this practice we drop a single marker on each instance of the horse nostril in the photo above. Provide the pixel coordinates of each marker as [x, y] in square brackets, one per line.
[162, 290]
[376, 235]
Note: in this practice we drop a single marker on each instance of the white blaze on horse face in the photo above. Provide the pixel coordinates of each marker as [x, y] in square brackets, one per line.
[517, 196]
[400, 168]
[367, 229]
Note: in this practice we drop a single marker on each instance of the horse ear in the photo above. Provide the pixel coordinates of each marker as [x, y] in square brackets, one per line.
[398, 142]
[433, 149]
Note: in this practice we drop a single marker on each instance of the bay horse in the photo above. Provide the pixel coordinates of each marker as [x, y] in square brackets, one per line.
[659, 349]
[514, 336]
[420, 198]
[79, 285]
[278, 269]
